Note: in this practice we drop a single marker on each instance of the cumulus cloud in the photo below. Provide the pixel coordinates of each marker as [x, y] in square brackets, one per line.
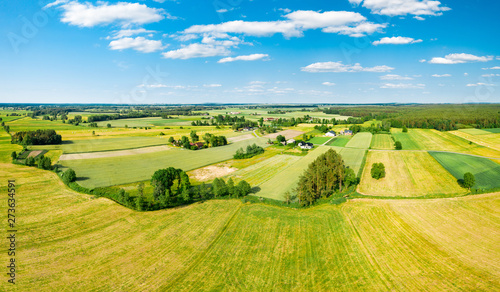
[252, 57]
[89, 15]
[339, 67]
[197, 51]
[443, 75]
[402, 86]
[492, 68]
[480, 84]
[459, 59]
[328, 83]
[359, 30]
[139, 44]
[395, 77]
[130, 32]
[252, 28]
[396, 41]
[399, 7]
[490, 75]
[212, 85]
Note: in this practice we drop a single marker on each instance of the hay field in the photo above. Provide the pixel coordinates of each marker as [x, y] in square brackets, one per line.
[99, 172]
[408, 174]
[487, 139]
[145, 122]
[339, 141]
[382, 141]
[486, 172]
[319, 140]
[352, 157]
[360, 140]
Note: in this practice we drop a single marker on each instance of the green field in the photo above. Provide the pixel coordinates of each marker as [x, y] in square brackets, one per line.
[131, 168]
[486, 172]
[406, 139]
[263, 112]
[339, 141]
[353, 158]
[319, 140]
[475, 131]
[287, 179]
[408, 174]
[360, 140]
[493, 130]
[29, 124]
[382, 141]
[145, 122]
[70, 240]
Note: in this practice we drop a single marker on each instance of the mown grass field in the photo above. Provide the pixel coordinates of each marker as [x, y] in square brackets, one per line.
[360, 140]
[408, 174]
[319, 140]
[71, 240]
[132, 168]
[487, 139]
[339, 141]
[353, 158]
[382, 141]
[423, 139]
[145, 122]
[485, 171]
[287, 179]
[26, 123]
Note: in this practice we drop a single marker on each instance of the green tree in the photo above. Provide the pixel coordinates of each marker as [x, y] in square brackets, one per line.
[108, 125]
[139, 203]
[244, 188]
[171, 139]
[398, 145]
[405, 129]
[349, 177]
[219, 188]
[14, 155]
[280, 138]
[261, 122]
[230, 187]
[69, 176]
[378, 170]
[469, 180]
[195, 138]
[287, 197]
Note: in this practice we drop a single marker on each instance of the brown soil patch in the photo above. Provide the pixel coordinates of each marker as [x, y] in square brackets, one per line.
[211, 172]
[287, 133]
[34, 153]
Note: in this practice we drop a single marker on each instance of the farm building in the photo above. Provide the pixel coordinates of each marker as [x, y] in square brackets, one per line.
[305, 145]
[268, 119]
[290, 141]
[197, 144]
[330, 134]
[346, 132]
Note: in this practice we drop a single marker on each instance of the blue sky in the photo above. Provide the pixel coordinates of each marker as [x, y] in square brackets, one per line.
[240, 51]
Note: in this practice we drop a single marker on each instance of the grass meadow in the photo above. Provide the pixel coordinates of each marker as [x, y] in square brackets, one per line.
[339, 141]
[360, 140]
[382, 141]
[319, 140]
[486, 172]
[408, 174]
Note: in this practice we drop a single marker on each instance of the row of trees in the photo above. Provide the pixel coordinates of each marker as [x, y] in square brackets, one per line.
[251, 151]
[41, 161]
[38, 137]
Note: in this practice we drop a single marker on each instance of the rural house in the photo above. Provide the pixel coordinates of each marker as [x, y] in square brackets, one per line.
[306, 145]
[330, 134]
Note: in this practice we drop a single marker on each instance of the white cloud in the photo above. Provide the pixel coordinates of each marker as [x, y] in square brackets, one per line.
[89, 15]
[197, 51]
[328, 83]
[402, 86]
[343, 22]
[443, 75]
[251, 57]
[212, 85]
[492, 68]
[286, 10]
[223, 10]
[396, 41]
[402, 7]
[422, 60]
[129, 32]
[466, 74]
[139, 44]
[395, 77]
[55, 3]
[480, 84]
[459, 59]
[490, 75]
[419, 18]
[339, 67]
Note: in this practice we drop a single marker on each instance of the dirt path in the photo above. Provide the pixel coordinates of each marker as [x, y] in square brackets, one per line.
[113, 153]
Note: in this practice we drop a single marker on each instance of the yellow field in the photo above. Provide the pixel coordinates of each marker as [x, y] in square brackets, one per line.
[408, 174]
[382, 141]
[488, 140]
[70, 240]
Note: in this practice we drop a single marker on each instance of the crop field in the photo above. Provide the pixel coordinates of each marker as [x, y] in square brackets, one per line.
[493, 130]
[26, 123]
[485, 171]
[319, 140]
[353, 158]
[260, 172]
[382, 141]
[145, 122]
[360, 140]
[408, 174]
[287, 179]
[406, 139]
[263, 112]
[132, 168]
[339, 141]
[72, 240]
[487, 139]
[475, 131]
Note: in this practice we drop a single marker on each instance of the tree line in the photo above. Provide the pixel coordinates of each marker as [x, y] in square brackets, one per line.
[37, 137]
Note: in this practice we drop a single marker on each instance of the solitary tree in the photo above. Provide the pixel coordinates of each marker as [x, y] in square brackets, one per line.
[14, 155]
[469, 180]
[405, 129]
[171, 139]
[69, 176]
[280, 139]
[378, 170]
[108, 125]
[398, 145]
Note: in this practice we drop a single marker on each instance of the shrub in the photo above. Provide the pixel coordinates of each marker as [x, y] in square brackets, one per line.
[69, 176]
[398, 145]
[378, 170]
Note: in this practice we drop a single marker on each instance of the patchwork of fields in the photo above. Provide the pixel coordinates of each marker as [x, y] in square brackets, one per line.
[382, 141]
[408, 174]
[360, 140]
[70, 240]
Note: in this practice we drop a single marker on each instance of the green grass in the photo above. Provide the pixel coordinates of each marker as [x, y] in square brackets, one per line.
[476, 131]
[339, 141]
[319, 140]
[360, 140]
[287, 179]
[493, 130]
[145, 122]
[98, 144]
[485, 171]
[382, 141]
[131, 168]
[353, 158]
[29, 124]
[406, 139]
